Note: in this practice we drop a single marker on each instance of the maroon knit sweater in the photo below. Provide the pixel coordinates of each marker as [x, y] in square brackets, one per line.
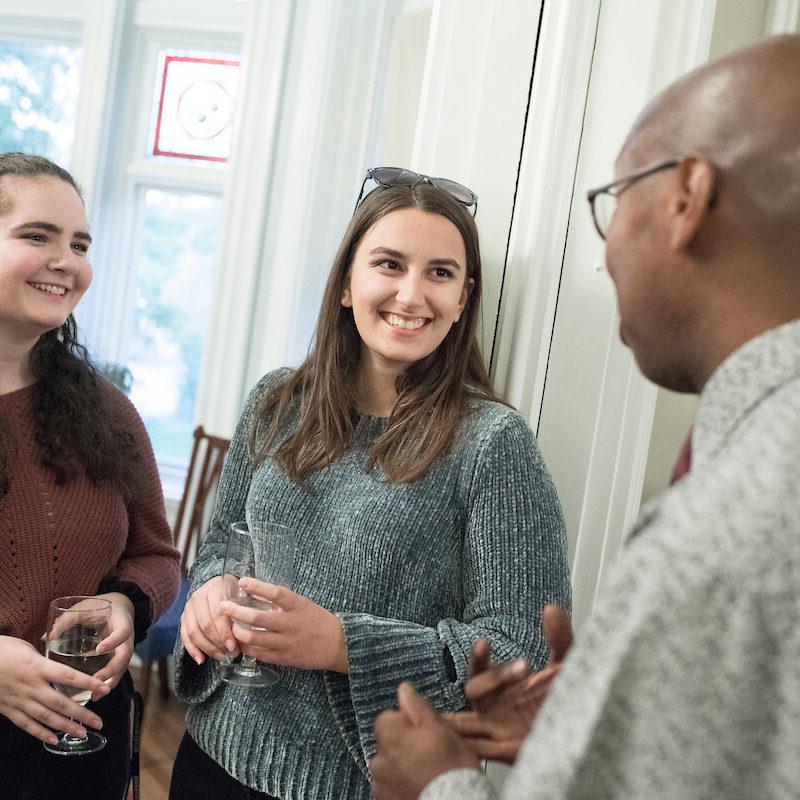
[62, 540]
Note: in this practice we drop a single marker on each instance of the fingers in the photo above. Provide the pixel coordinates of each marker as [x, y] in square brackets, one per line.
[466, 724]
[60, 712]
[195, 653]
[284, 598]
[265, 646]
[31, 726]
[115, 639]
[207, 616]
[111, 673]
[53, 672]
[483, 738]
[388, 725]
[538, 684]
[216, 626]
[204, 629]
[37, 719]
[267, 619]
[494, 750]
[557, 632]
[479, 658]
[495, 680]
[413, 705]
[198, 645]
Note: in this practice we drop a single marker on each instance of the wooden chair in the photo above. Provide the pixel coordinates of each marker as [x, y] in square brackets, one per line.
[194, 512]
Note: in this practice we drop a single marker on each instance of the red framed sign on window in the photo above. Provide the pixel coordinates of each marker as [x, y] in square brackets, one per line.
[195, 108]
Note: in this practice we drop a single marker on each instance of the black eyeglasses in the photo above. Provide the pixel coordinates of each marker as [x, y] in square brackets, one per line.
[603, 201]
[399, 176]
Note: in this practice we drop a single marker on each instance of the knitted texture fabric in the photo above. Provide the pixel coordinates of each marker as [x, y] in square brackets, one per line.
[686, 681]
[62, 540]
[416, 572]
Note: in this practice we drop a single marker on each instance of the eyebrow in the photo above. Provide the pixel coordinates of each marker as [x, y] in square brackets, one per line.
[439, 262]
[50, 228]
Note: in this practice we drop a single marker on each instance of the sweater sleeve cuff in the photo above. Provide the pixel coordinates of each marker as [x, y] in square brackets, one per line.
[142, 616]
[464, 784]
[382, 653]
[194, 682]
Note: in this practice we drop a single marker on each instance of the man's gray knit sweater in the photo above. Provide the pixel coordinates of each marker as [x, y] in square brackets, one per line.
[416, 572]
[685, 685]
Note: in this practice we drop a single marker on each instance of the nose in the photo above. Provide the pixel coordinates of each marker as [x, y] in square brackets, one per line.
[410, 292]
[63, 259]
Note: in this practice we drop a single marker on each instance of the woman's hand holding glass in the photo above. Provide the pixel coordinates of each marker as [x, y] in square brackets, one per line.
[76, 625]
[205, 630]
[29, 700]
[119, 640]
[296, 633]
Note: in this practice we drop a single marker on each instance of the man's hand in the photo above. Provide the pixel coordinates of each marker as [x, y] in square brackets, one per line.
[505, 698]
[415, 746]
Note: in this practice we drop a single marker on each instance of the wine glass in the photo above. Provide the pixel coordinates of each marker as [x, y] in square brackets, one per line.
[75, 626]
[262, 550]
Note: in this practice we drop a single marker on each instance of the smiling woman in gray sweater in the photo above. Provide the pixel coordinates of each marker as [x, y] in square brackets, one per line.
[423, 513]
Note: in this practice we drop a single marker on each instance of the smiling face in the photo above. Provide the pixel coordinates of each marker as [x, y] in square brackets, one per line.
[44, 265]
[407, 287]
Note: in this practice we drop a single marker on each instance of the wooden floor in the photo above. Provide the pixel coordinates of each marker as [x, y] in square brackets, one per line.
[161, 734]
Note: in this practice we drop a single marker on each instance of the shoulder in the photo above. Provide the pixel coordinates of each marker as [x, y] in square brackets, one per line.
[268, 383]
[117, 405]
[492, 424]
[496, 438]
[729, 530]
[253, 412]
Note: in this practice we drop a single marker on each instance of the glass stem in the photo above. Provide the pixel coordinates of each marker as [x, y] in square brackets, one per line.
[248, 665]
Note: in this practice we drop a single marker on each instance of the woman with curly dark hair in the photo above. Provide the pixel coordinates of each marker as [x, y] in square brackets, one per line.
[81, 510]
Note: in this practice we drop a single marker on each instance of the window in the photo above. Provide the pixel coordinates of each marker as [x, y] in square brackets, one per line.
[177, 238]
[39, 86]
[177, 158]
[151, 311]
[193, 113]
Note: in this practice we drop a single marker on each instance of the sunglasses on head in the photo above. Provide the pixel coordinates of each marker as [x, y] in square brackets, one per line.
[399, 176]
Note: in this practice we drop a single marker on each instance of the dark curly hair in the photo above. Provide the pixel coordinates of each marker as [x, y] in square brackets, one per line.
[73, 423]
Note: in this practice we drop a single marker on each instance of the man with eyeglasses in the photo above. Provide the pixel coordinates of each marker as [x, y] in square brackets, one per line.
[686, 681]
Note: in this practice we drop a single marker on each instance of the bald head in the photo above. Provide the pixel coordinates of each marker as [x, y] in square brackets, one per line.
[743, 113]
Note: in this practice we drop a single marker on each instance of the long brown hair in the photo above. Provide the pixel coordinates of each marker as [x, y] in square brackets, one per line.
[433, 394]
[72, 423]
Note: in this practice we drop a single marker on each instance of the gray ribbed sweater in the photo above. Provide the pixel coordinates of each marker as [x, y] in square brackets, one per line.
[474, 548]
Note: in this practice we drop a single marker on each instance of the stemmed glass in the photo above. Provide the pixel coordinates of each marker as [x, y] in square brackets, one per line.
[75, 626]
[262, 550]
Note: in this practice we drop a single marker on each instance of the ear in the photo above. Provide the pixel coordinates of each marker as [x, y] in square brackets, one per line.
[694, 193]
[462, 302]
[347, 300]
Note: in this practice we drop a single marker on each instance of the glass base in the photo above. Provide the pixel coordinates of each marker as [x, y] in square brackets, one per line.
[73, 746]
[241, 675]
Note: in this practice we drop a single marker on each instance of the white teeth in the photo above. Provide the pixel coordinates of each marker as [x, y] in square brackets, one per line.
[407, 324]
[48, 287]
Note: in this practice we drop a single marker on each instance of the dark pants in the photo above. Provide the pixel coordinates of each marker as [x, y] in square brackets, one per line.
[196, 776]
[29, 772]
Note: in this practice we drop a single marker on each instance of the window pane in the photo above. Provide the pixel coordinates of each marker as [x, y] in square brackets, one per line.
[38, 95]
[178, 237]
[193, 104]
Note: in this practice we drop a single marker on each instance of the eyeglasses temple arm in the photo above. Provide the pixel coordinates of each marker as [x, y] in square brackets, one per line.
[361, 193]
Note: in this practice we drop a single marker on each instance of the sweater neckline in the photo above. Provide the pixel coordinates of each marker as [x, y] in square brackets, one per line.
[13, 398]
[370, 425]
